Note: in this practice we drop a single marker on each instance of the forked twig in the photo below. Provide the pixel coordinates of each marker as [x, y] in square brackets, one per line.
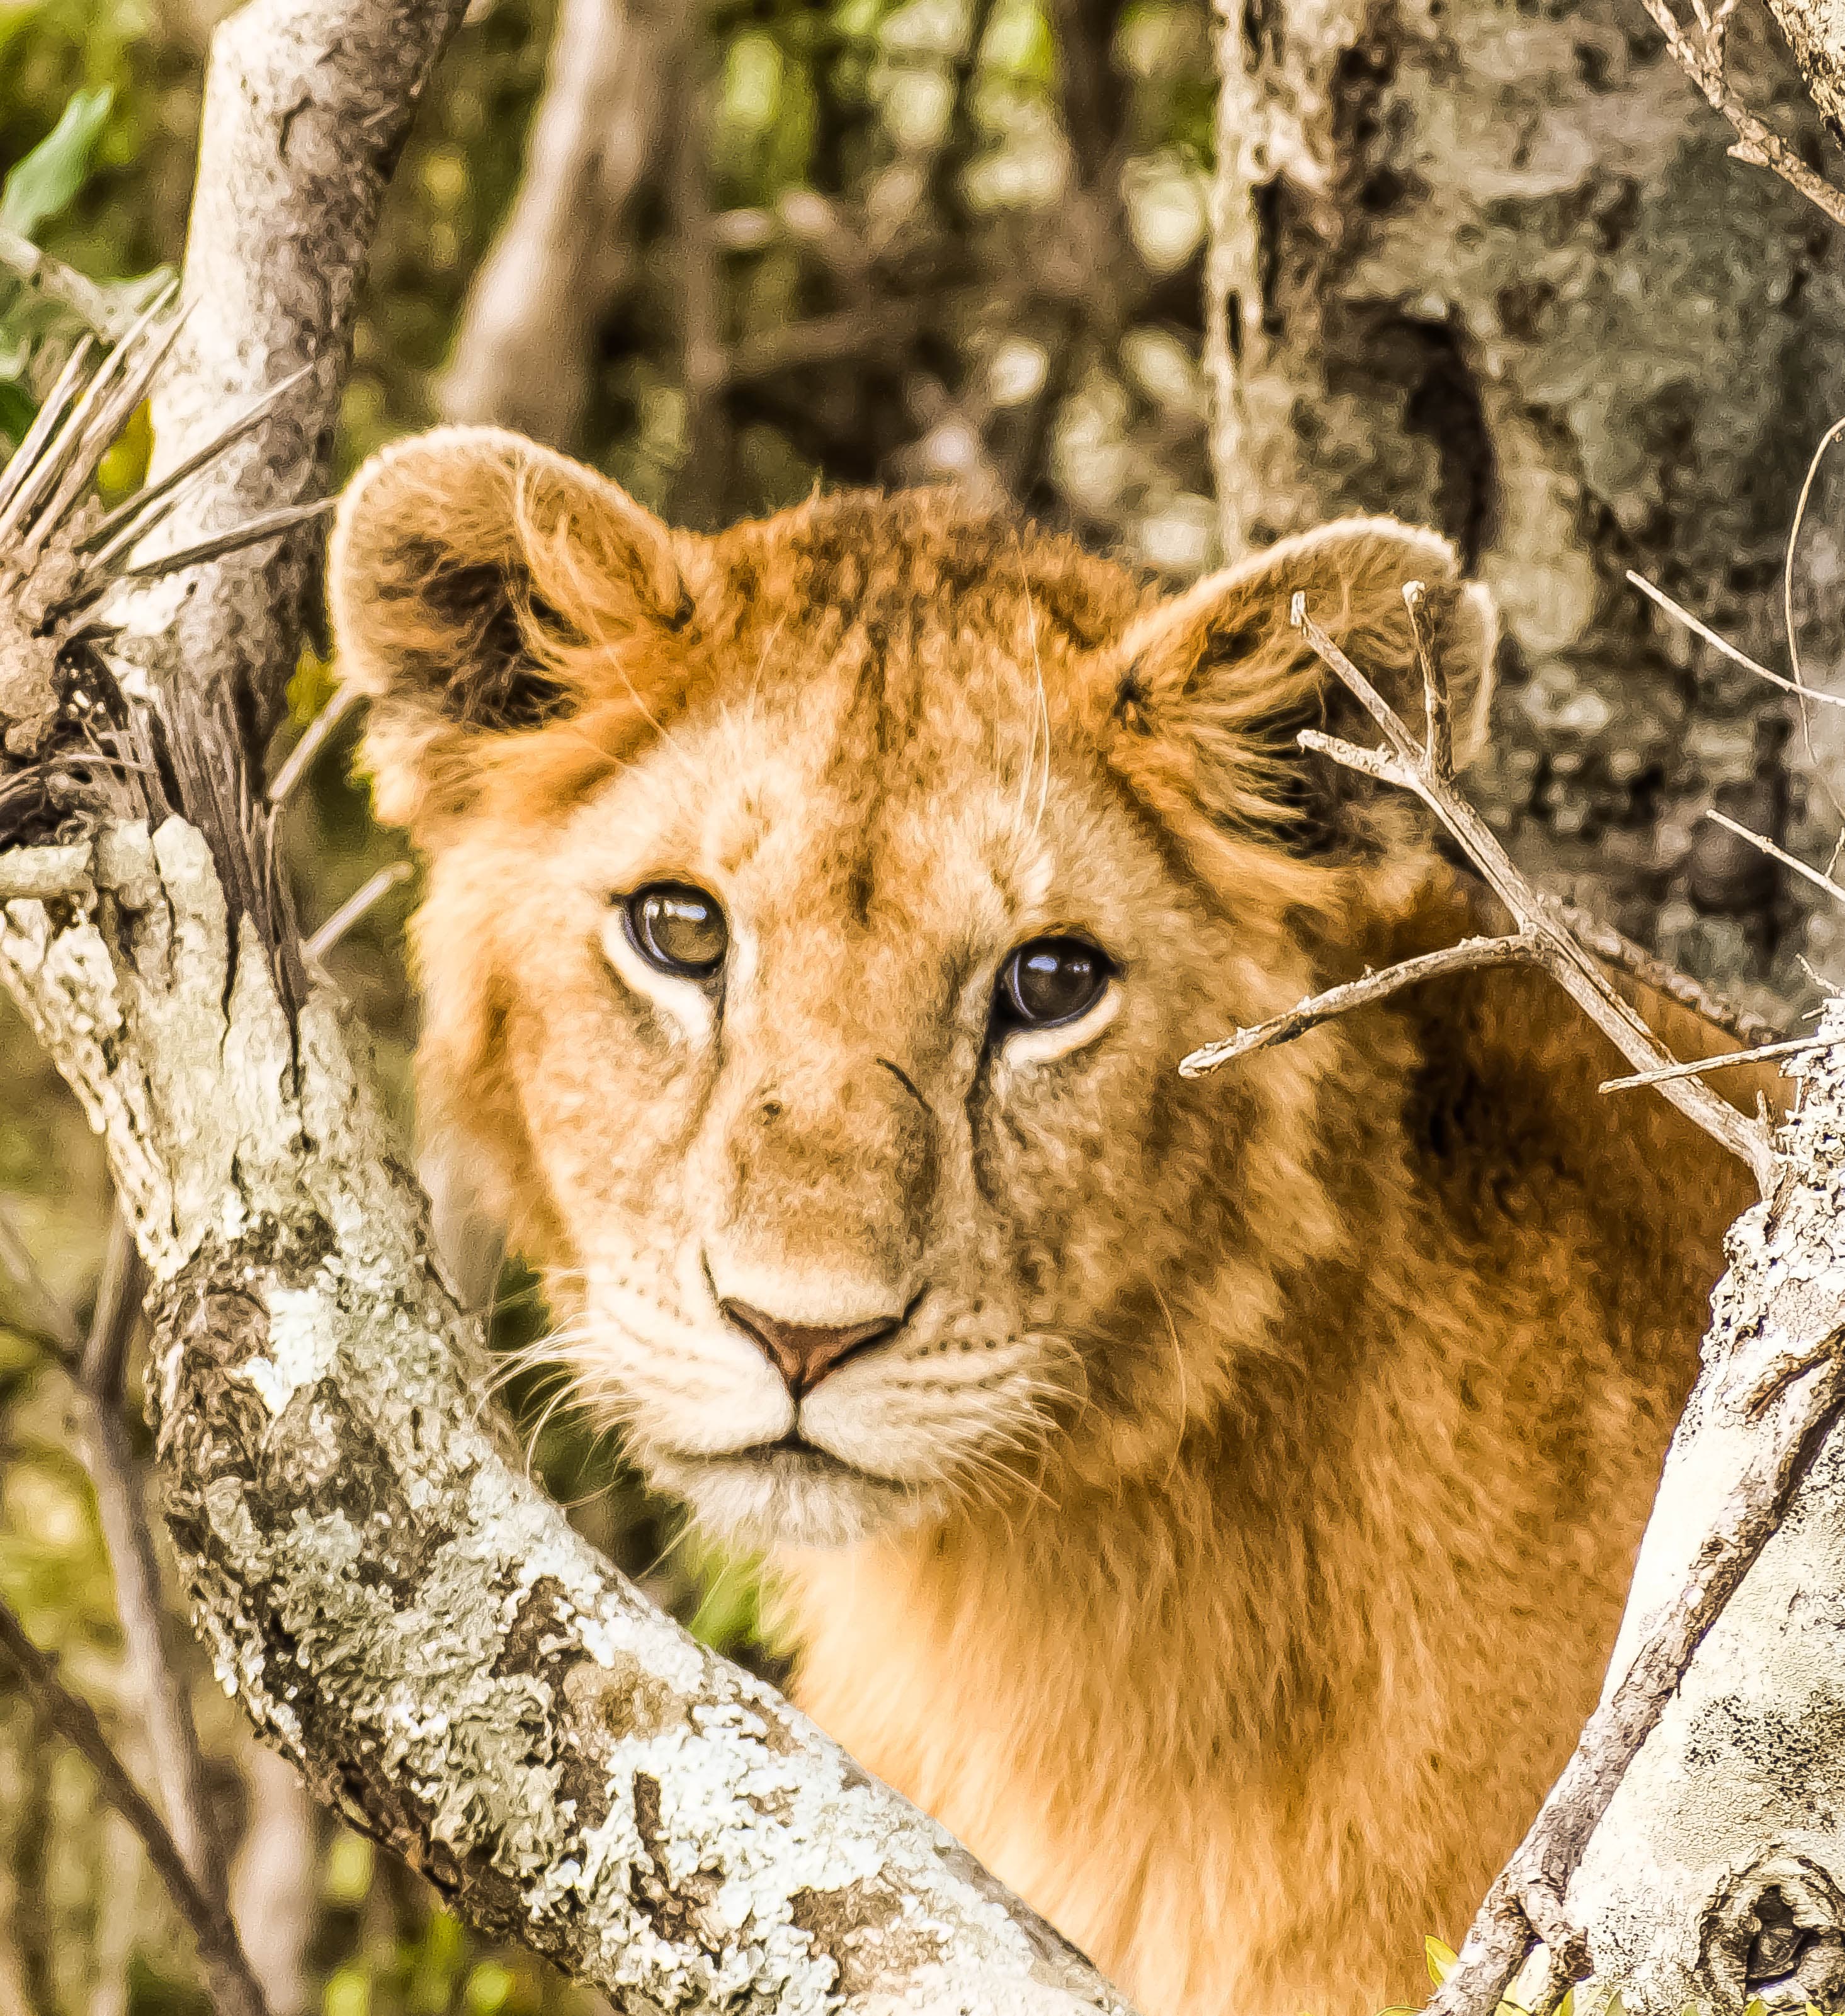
[1544, 937]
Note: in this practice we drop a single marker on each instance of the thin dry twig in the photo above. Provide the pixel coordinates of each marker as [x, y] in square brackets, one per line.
[1546, 939]
[234, 1987]
[1795, 1046]
[1621, 955]
[1756, 143]
[1470, 956]
[305, 751]
[1815, 876]
[1678, 611]
[356, 905]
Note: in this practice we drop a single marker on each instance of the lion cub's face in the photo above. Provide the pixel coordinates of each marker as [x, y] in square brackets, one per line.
[817, 915]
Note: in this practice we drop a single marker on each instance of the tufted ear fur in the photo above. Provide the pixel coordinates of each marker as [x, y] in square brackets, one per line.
[478, 583]
[1219, 680]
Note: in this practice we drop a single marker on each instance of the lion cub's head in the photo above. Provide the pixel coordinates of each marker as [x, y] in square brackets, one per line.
[817, 913]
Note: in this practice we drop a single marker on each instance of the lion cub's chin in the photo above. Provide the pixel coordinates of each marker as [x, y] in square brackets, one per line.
[786, 1497]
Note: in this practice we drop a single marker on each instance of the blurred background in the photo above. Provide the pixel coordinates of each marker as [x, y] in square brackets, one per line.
[1492, 270]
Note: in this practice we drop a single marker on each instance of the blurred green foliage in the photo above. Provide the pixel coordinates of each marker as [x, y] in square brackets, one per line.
[935, 133]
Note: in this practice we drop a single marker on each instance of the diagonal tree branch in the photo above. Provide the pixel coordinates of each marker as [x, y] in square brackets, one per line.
[398, 1607]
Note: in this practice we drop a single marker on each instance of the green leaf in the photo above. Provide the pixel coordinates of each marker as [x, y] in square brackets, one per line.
[1441, 1959]
[16, 411]
[40, 185]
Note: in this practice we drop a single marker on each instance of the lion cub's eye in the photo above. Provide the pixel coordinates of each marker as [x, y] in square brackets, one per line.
[677, 928]
[1050, 980]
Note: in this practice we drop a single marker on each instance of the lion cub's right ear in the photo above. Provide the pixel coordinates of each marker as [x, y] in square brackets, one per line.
[478, 583]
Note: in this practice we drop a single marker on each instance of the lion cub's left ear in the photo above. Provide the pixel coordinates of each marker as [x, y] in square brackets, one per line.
[1218, 681]
[475, 579]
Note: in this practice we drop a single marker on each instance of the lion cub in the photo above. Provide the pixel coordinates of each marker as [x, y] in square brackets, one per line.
[1213, 1500]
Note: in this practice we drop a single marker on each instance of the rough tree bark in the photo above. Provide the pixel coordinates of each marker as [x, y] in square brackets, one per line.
[401, 1611]
[1717, 1873]
[1489, 266]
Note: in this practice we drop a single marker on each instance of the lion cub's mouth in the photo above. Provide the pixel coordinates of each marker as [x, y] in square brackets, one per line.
[793, 1456]
[784, 1492]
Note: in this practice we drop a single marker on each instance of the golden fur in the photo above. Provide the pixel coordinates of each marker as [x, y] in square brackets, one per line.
[1228, 1543]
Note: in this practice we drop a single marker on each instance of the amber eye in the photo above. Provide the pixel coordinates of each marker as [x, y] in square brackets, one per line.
[1050, 980]
[677, 928]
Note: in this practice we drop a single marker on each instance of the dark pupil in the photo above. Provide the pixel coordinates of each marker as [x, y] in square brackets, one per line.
[1054, 980]
[679, 929]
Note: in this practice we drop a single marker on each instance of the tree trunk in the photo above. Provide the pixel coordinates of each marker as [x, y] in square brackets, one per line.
[1488, 266]
[525, 353]
[1718, 1873]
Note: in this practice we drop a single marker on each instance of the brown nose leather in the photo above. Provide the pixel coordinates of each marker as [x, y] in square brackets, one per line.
[803, 1354]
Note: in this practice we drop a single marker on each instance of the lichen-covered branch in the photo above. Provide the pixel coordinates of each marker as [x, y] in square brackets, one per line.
[307, 105]
[399, 1608]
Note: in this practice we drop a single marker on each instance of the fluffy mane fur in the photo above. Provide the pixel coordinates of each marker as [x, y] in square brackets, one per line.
[1226, 1535]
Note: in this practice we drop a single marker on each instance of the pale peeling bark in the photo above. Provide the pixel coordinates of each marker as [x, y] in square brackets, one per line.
[1739, 1792]
[401, 1611]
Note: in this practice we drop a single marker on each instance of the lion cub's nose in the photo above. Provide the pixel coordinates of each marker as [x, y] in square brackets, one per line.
[802, 1353]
